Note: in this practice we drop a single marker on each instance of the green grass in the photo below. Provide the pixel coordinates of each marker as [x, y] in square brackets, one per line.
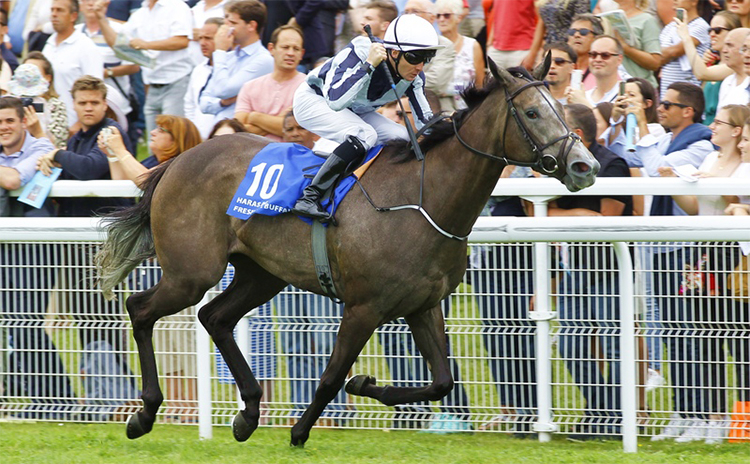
[75, 443]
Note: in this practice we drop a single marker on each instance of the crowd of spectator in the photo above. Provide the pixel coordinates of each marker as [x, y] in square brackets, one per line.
[668, 91]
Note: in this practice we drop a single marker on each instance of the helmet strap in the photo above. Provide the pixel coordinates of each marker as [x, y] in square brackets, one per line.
[397, 60]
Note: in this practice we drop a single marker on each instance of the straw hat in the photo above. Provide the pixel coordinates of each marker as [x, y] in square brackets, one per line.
[27, 81]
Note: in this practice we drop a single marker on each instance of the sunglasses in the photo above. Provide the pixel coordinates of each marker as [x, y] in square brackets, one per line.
[444, 15]
[560, 61]
[668, 104]
[419, 56]
[583, 31]
[717, 30]
[161, 129]
[605, 55]
[401, 114]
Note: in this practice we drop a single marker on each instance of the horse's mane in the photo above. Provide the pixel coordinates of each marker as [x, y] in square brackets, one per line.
[443, 129]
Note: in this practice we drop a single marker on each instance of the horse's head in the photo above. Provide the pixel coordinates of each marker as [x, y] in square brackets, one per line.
[535, 133]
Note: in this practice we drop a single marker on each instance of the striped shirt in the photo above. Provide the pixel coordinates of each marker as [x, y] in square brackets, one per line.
[346, 81]
[679, 70]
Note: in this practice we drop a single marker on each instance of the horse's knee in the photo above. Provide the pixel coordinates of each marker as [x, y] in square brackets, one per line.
[440, 389]
[329, 387]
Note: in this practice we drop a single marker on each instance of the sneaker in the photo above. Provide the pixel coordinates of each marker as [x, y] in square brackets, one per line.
[448, 423]
[717, 431]
[655, 380]
[696, 431]
[675, 428]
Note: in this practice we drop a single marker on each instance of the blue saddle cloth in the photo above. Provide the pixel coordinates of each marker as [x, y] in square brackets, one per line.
[276, 178]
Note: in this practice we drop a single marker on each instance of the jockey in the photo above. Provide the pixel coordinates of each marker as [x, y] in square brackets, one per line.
[338, 100]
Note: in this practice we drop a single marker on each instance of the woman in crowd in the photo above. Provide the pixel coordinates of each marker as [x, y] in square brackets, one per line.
[173, 135]
[55, 116]
[709, 67]
[602, 113]
[556, 17]
[742, 9]
[643, 53]
[227, 126]
[706, 310]
[469, 65]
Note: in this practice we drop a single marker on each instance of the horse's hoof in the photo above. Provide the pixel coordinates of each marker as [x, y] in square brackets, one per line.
[241, 429]
[136, 426]
[355, 385]
[298, 439]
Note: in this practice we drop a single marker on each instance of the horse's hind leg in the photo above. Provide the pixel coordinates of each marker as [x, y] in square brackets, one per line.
[251, 287]
[428, 329]
[169, 296]
[356, 328]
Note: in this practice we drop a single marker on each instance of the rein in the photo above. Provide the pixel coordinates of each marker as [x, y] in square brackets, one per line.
[545, 162]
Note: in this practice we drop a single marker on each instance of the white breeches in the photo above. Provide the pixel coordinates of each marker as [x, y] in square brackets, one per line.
[313, 113]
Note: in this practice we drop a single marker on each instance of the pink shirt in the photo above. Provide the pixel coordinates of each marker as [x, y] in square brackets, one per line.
[268, 96]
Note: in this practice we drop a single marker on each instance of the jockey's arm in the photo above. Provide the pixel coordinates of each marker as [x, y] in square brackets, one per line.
[349, 75]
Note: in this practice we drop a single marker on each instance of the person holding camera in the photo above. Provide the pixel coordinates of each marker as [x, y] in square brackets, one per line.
[35, 93]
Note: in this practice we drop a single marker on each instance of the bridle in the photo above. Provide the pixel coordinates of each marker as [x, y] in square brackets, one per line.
[544, 162]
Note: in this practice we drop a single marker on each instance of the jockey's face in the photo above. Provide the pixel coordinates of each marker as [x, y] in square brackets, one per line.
[405, 69]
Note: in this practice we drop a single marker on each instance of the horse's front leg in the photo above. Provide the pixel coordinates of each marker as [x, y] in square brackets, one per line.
[250, 288]
[428, 329]
[357, 326]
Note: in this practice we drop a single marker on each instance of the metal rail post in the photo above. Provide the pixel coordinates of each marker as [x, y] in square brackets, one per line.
[203, 368]
[628, 397]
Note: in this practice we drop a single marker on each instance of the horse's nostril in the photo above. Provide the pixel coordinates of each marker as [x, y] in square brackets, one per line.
[580, 167]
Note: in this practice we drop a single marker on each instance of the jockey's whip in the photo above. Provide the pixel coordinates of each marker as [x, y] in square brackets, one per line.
[409, 129]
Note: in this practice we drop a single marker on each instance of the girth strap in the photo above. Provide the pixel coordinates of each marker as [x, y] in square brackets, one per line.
[321, 262]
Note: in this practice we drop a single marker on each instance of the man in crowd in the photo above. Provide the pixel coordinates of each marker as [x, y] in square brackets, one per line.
[687, 142]
[438, 72]
[589, 306]
[262, 102]
[583, 30]
[605, 58]
[510, 31]
[378, 15]
[71, 53]
[35, 369]
[7, 54]
[104, 360]
[164, 27]
[199, 77]
[239, 57]
[734, 88]
[563, 64]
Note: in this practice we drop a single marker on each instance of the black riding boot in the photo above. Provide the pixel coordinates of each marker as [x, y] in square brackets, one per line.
[345, 154]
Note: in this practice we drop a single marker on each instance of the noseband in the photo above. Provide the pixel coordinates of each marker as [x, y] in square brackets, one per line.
[544, 162]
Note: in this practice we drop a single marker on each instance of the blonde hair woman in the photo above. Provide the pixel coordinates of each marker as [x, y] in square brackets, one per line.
[469, 65]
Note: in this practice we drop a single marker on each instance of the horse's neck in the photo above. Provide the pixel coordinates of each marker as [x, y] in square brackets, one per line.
[461, 182]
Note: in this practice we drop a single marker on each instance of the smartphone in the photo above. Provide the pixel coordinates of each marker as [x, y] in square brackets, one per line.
[681, 14]
[622, 87]
[38, 107]
[576, 79]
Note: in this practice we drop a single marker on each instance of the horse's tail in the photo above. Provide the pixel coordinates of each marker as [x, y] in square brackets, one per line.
[129, 240]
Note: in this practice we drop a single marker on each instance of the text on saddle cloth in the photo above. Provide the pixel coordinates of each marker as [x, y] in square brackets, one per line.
[277, 176]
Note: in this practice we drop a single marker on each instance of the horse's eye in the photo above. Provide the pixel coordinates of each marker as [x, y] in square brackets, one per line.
[532, 114]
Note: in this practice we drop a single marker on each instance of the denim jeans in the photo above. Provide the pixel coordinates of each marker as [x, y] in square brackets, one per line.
[308, 324]
[589, 310]
[508, 333]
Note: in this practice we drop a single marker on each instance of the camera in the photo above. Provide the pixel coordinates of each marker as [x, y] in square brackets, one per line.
[38, 107]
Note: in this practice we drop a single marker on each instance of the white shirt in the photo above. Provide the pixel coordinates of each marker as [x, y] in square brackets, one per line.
[731, 92]
[168, 18]
[76, 56]
[609, 96]
[203, 121]
[110, 61]
[200, 15]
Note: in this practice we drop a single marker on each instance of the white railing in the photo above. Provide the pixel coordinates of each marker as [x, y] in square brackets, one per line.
[617, 230]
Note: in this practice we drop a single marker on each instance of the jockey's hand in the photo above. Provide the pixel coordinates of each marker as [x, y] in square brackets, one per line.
[377, 54]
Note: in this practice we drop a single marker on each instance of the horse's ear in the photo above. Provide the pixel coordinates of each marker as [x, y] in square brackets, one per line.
[499, 73]
[540, 72]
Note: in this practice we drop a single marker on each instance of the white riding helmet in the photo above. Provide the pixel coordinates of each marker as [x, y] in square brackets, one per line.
[409, 33]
